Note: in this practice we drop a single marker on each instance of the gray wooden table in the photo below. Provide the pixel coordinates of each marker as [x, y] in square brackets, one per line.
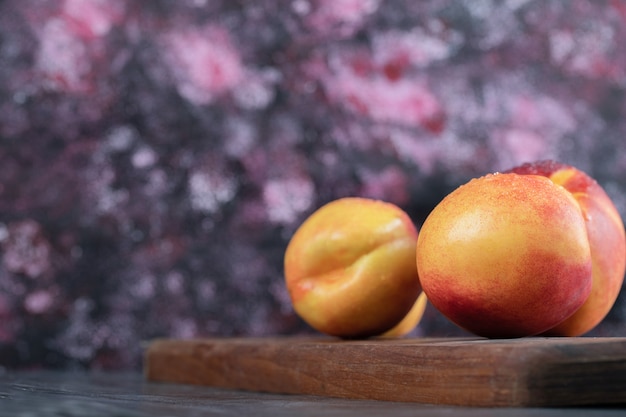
[69, 394]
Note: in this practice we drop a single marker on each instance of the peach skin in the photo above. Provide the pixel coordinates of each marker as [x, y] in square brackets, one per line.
[350, 268]
[506, 255]
[605, 231]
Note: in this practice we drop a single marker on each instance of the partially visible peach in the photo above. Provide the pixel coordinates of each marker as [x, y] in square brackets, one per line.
[506, 255]
[605, 231]
[410, 321]
[350, 268]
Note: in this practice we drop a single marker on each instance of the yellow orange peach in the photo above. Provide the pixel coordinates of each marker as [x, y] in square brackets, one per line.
[350, 267]
[506, 255]
[410, 321]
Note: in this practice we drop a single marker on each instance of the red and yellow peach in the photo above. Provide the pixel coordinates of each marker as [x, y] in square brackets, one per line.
[350, 269]
[506, 255]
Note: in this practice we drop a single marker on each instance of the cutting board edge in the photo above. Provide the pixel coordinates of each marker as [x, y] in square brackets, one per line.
[197, 354]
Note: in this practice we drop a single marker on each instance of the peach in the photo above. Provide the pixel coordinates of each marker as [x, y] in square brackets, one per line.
[605, 231]
[410, 321]
[350, 268]
[506, 255]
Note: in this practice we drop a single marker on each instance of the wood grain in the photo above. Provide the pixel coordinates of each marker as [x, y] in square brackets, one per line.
[468, 372]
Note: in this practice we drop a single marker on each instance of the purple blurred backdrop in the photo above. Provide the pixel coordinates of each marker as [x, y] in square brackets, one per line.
[155, 157]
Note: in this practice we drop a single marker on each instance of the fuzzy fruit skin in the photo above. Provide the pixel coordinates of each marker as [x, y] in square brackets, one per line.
[506, 255]
[607, 241]
[350, 268]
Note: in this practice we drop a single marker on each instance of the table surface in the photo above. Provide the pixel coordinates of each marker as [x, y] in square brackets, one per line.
[69, 394]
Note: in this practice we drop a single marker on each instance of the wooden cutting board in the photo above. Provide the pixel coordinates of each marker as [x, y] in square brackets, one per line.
[467, 372]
